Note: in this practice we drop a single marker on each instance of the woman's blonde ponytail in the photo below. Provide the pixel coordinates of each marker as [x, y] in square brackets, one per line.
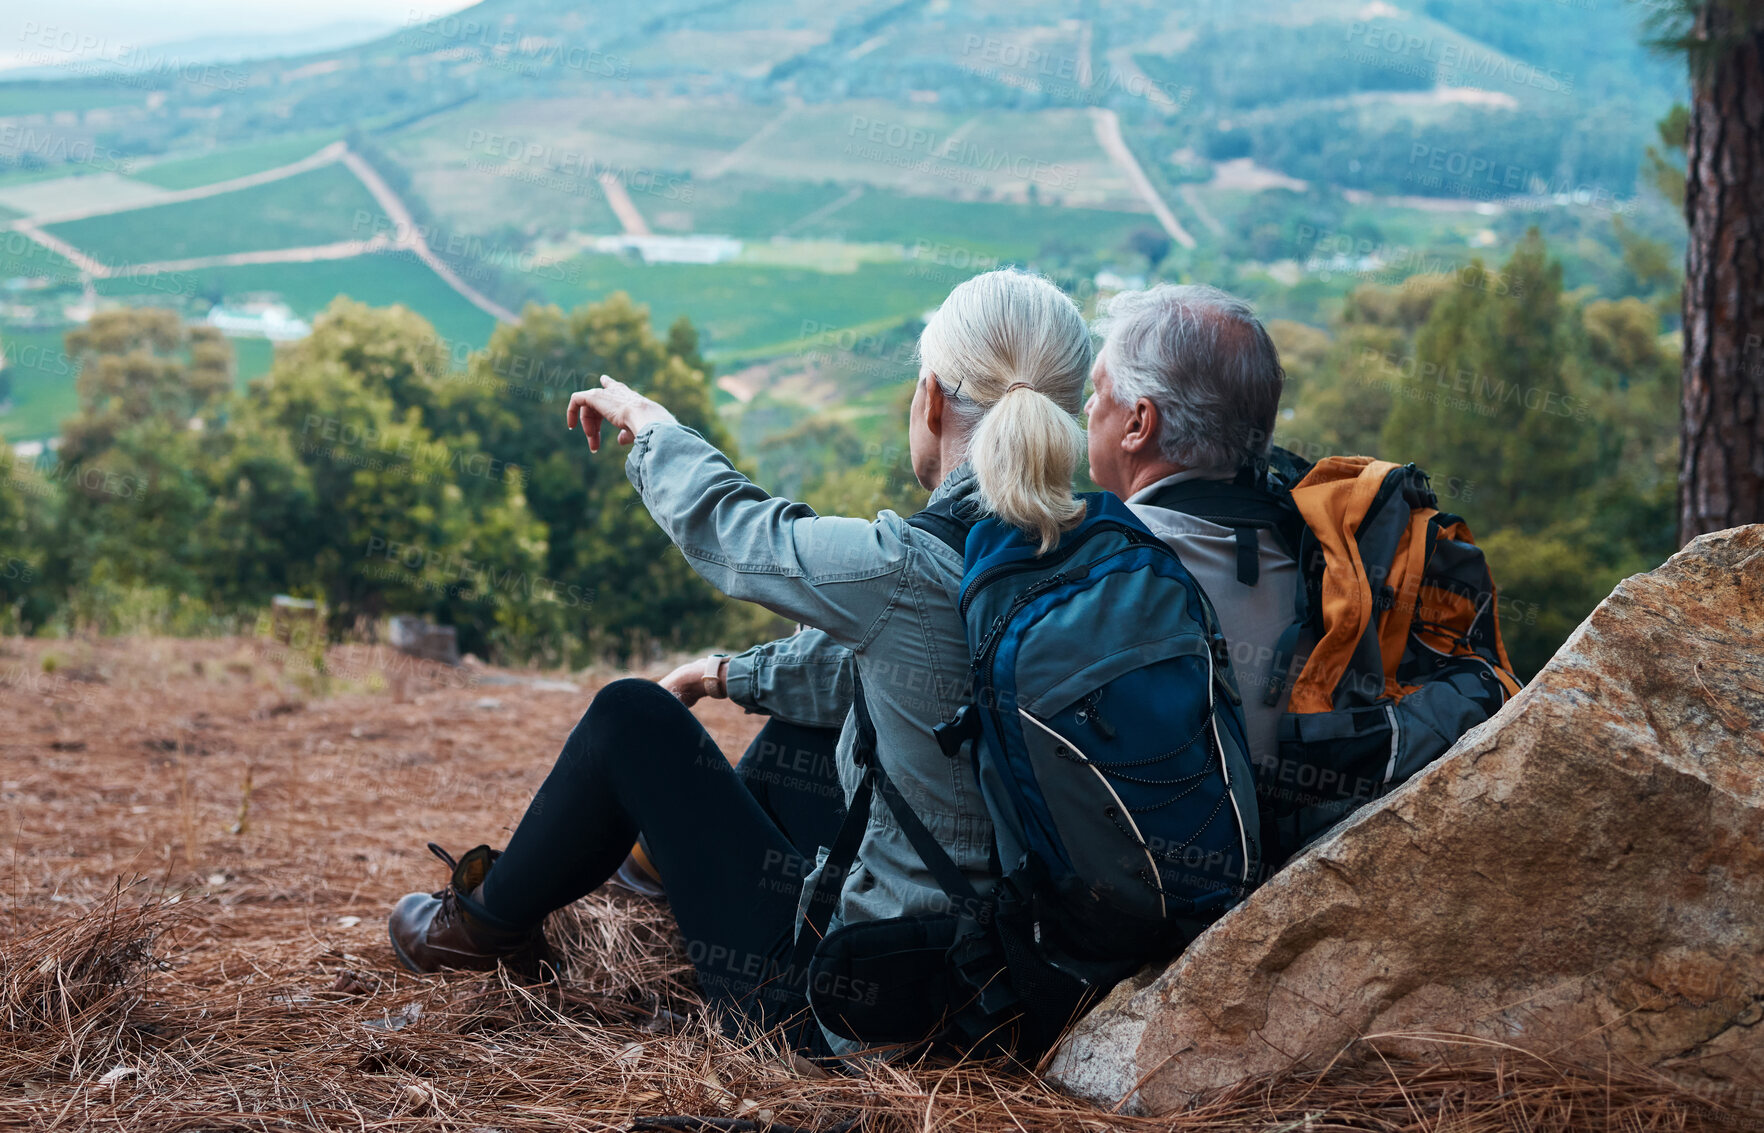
[1012, 353]
[1024, 454]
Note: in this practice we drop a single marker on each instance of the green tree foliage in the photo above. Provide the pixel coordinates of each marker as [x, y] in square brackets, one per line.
[1341, 386]
[366, 472]
[631, 586]
[1665, 164]
[392, 351]
[21, 567]
[1311, 61]
[1654, 267]
[141, 365]
[1489, 394]
[130, 468]
[379, 519]
[460, 495]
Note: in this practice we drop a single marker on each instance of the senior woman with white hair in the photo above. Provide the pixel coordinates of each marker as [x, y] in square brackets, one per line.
[992, 431]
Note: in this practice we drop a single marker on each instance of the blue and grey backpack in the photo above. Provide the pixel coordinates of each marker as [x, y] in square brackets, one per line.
[1107, 736]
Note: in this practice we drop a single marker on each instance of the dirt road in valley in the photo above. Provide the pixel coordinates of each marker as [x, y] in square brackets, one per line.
[1108, 135]
[619, 199]
[342, 250]
[409, 235]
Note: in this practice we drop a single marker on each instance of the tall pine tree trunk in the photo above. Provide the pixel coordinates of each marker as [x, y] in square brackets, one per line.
[1721, 449]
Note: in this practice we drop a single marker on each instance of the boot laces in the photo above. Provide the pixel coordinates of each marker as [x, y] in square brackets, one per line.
[446, 892]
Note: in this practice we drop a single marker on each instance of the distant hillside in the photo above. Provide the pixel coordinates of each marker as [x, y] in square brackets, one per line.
[853, 160]
[237, 48]
[1565, 88]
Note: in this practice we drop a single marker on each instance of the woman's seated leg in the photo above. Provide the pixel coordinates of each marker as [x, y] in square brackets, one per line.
[637, 761]
[794, 773]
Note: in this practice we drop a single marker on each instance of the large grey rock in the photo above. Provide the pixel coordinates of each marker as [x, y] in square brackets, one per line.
[1582, 876]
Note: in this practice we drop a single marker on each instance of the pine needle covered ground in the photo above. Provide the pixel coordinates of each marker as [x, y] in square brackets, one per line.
[203, 839]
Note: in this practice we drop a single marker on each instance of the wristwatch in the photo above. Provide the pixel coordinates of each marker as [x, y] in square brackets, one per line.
[716, 685]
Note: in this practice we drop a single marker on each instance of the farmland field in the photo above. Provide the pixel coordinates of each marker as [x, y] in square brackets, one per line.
[43, 380]
[748, 207]
[934, 152]
[322, 206]
[52, 196]
[18, 176]
[915, 150]
[379, 280]
[567, 133]
[233, 161]
[501, 196]
[1002, 229]
[48, 97]
[745, 309]
[753, 208]
[869, 155]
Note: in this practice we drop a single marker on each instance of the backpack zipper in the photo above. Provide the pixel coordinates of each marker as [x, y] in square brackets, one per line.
[1224, 768]
[1090, 713]
[1396, 737]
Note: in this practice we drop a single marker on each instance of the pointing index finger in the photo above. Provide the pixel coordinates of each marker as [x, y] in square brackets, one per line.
[582, 411]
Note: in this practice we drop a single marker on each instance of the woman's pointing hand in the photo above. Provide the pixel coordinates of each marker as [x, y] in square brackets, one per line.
[617, 404]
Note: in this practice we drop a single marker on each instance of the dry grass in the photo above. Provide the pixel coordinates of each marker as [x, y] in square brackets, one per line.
[173, 958]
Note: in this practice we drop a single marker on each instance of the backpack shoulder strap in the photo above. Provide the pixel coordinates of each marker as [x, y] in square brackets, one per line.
[942, 867]
[1247, 505]
[843, 852]
[947, 521]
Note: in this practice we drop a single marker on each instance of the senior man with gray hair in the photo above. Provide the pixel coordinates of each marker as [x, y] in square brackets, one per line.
[1187, 385]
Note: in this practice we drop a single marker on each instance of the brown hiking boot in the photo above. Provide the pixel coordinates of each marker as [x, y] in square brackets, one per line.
[450, 929]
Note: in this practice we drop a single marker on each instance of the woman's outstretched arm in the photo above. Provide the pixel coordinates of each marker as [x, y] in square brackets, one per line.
[838, 575]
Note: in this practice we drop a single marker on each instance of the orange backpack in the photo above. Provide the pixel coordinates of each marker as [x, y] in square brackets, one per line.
[1352, 506]
[1395, 648]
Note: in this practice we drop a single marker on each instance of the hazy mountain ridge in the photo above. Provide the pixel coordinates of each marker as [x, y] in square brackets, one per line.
[1178, 70]
[863, 157]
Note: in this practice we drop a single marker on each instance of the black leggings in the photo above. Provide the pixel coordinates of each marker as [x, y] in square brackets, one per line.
[732, 847]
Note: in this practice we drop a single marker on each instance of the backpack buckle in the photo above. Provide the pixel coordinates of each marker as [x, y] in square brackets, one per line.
[958, 730]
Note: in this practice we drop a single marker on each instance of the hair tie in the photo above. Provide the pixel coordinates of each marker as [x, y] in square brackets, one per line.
[1015, 385]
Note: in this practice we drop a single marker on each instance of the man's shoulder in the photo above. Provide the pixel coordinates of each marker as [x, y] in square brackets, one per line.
[1208, 549]
[1168, 523]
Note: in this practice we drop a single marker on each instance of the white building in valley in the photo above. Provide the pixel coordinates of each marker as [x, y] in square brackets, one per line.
[258, 319]
[673, 249]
